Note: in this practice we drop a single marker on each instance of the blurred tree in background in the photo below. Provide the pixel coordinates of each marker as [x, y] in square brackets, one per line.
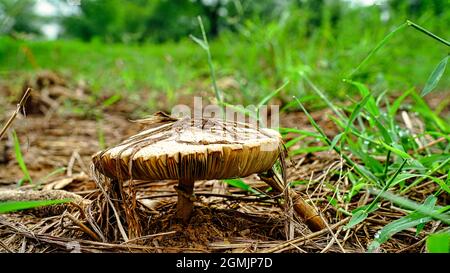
[418, 7]
[18, 16]
[142, 20]
[165, 20]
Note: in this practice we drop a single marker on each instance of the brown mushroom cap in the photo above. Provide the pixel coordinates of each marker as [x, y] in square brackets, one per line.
[192, 149]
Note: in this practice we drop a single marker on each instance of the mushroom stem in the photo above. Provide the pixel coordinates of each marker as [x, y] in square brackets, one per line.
[185, 199]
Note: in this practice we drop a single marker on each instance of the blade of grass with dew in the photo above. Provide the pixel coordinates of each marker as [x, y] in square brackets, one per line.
[20, 159]
[439, 213]
[293, 103]
[396, 150]
[11, 206]
[409, 221]
[374, 165]
[339, 123]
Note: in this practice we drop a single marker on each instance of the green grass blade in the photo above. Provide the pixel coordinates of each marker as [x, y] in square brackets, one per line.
[398, 102]
[364, 91]
[243, 110]
[238, 183]
[396, 151]
[356, 112]
[54, 172]
[19, 157]
[201, 43]
[387, 185]
[428, 174]
[409, 204]
[438, 243]
[389, 36]
[366, 158]
[324, 98]
[383, 131]
[271, 95]
[299, 131]
[307, 150]
[205, 45]
[293, 141]
[111, 100]
[435, 77]
[335, 140]
[411, 220]
[422, 107]
[427, 32]
[357, 218]
[357, 168]
[377, 47]
[396, 226]
[11, 206]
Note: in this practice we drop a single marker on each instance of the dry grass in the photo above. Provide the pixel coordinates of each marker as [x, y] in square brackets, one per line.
[228, 221]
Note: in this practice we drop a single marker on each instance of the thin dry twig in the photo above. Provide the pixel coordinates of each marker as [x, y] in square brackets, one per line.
[19, 106]
[432, 143]
[150, 236]
[81, 225]
[116, 214]
[320, 215]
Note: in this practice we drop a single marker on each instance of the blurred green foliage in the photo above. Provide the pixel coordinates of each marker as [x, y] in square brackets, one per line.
[163, 20]
[141, 45]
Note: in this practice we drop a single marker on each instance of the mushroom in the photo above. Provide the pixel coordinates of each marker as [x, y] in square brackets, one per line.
[188, 150]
